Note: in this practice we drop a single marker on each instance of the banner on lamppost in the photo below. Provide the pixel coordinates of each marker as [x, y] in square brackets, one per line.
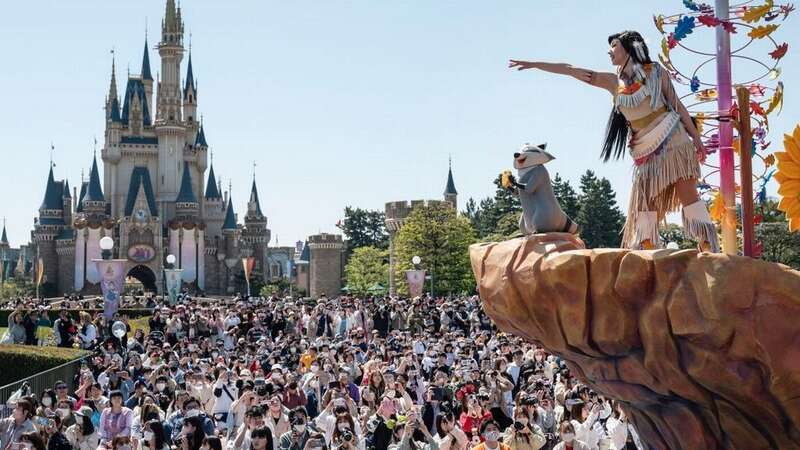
[173, 277]
[416, 282]
[112, 278]
[248, 264]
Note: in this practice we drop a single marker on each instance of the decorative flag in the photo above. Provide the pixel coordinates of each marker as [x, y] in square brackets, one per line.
[247, 264]
[112, 278]
[173, 277]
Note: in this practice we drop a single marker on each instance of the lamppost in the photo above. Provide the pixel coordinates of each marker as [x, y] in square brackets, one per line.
[172, 279]
[112, 275]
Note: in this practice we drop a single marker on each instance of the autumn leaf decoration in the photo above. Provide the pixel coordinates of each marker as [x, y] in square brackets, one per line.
[779, 51]
[755, 13]
[777, 99]
[762, 31]
[717, 208]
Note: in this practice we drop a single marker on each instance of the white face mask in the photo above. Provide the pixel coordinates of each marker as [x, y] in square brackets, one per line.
[160, 386]
[63, 412]
[47, 402]
[314, 369]
[490, 436]
[523, 420]
[300, 428]
[568, 437]
[343, 426]
[124, 447]
[148, 435]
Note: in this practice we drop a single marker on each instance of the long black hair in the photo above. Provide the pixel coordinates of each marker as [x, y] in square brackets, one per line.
[617, 127]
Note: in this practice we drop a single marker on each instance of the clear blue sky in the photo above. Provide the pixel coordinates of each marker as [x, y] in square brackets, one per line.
[340, 102]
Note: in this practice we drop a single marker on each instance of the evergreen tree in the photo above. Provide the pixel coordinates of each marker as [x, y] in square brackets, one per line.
[566, 196]
[367, 267]
[364, 228]
[599, 217]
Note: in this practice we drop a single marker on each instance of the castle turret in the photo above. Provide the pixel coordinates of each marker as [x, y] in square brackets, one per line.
[213, 206]
[94, 203]
[450, 193]
[256, 235]
[49, 226]
[186, 205]
[190, 97]
[147, 77]
[66, 201]
[325, 264]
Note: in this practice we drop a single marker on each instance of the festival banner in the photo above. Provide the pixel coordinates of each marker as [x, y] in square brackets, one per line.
[112, 278]
[248, 264]
[39, 272]
[173, 277]
[188, 257]
[93, 252]
[416, 281]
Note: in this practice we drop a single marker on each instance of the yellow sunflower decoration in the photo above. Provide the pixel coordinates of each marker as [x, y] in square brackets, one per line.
[788, 178]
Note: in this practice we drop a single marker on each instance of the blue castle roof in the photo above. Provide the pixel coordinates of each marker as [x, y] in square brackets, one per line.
[230, 216]
[212, 192]
[135, 87]
[140, 177]
[186, 194]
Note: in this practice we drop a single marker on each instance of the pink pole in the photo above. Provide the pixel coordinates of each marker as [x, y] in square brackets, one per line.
[724, 95]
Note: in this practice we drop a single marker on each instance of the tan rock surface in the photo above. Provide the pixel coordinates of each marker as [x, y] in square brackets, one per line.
[703, 349]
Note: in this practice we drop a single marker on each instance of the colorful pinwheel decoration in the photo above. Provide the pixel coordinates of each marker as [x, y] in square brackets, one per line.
[788, 178]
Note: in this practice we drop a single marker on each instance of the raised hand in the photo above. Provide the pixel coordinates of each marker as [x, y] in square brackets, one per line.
[520, 65]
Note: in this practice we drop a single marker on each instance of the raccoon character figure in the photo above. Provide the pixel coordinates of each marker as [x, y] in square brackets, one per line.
[541, 212]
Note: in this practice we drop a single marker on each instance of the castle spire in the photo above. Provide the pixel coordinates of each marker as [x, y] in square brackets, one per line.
[112, 89]
[254, 206]
[230, 216]
[4, 238]
[186, 194]
[189, 78]
[146, 74]
[212, 193]
[450, 189]
[52, 198]
[94, 192]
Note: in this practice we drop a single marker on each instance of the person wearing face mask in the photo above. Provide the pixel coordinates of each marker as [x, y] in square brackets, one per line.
[121, 443]
[83, 435]
[153, 437]
[490, 432]
[523, 435]
[297, 436]
[345, 435]
[64, 411]
[13, 427]
[254, 420]
[568, 440]
[48, 403]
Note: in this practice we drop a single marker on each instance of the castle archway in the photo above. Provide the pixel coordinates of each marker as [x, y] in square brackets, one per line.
[143, 275]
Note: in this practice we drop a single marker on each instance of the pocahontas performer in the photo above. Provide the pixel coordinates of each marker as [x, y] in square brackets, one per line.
[664, 142]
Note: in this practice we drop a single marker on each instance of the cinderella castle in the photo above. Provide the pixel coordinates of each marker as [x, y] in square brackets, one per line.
[154, 197]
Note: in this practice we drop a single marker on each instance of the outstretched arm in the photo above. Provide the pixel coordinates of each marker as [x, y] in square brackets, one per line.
[604, 80]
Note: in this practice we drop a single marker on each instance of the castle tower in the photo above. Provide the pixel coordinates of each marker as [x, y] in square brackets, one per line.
[450, 193]
[169, 128]
[49, 226]
[230, 247]
[325, 264]
[213, 206]
[256, 235]
[4, 248]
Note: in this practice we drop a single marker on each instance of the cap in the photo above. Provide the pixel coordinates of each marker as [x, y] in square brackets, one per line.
[276, 367]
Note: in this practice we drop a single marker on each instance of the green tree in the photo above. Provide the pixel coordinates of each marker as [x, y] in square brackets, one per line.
[364, 228]
[599, 217]
[778, 244]
[566, 196]
[441, 239]
[485, 216]
[367, 267]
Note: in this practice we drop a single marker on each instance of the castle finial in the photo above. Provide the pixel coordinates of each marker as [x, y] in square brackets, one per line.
[254, 170]
[95, 147]
[52, 149]
[212, 156]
